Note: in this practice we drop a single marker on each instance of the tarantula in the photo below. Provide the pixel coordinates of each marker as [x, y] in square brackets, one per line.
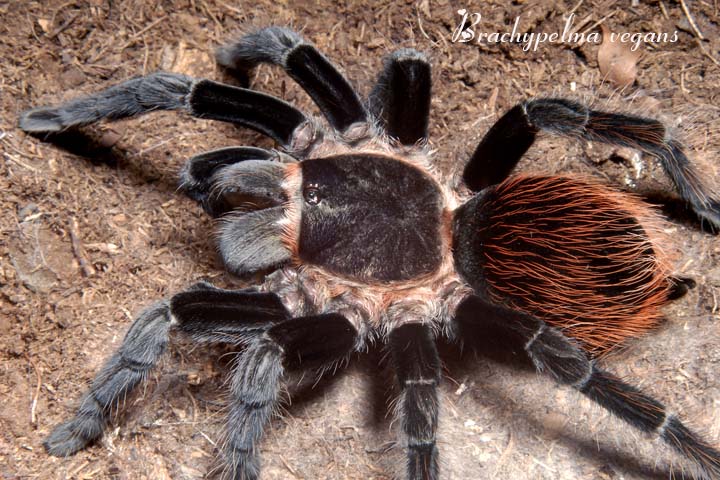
[360, 239]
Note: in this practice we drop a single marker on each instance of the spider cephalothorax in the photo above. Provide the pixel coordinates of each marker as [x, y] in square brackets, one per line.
[371, 218]
[361, 239]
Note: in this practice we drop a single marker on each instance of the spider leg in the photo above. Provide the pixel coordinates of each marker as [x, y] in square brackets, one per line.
[253, 241]
[511, 136]
[232, 177]
[318, 341]
[400, 99]
[200, 173]
[417, 365]
[196, 176]
[171, 91]
[234, 315]
[280, 46]
[679, 286]
[554, 353]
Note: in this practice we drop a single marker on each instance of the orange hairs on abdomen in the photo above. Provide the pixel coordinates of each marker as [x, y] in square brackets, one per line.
[577, 254]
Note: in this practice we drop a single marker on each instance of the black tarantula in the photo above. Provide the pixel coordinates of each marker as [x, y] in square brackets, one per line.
[362, 240]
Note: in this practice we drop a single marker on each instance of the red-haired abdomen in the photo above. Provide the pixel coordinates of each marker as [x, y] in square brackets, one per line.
[577, 254]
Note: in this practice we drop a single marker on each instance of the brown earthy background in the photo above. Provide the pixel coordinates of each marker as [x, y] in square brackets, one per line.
[85, 244]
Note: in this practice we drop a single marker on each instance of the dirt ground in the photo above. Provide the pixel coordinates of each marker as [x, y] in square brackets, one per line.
[87, 240]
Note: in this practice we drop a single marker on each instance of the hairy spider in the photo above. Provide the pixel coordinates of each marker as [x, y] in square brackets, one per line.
[362, 240]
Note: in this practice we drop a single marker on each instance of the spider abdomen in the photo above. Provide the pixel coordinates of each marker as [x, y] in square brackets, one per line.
[577, 254]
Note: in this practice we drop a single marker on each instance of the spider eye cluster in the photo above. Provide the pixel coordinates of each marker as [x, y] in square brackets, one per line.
[378, 218]
[312, 195]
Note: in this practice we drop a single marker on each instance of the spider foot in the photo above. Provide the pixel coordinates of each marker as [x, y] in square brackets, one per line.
[41, 120]
[710, 216]
[680, 287]
[72, 436]
[693, 447]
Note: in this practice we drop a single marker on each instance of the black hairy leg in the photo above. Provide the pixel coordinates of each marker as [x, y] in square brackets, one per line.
[253, 241]
[318, 341]
[554, 353]
[400, 99]
[235, 177]
[235, 315]
[172, 91]
[274, 340]
[417, 366]
[513, 134]
[198, 175]
[280, 46]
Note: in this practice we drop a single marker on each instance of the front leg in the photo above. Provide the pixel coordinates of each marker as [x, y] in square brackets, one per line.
[400, 99]
[171, 91]
[304, 63]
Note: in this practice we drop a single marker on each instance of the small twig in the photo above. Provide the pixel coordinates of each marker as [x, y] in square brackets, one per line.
[130, 41]
[64, 26]
[24, 165]
[19, 152]
[593, 26]
[706, 53]
[36, 395]
[237, 11]
[78, 469]
[152, 25]
[493, 99]
[85, 267]
[504, 455]
[210, 440]
[598, 23]
[146, 58]
[691, 20]
[62, 7]
[577, 5]
[422, 30]
[682, 81]
[287, 465]
[580, 24]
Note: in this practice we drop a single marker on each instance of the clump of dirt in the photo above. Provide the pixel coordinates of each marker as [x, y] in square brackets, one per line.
[84, 244]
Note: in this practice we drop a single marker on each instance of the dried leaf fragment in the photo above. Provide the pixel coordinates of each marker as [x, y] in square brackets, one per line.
[44, 24]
